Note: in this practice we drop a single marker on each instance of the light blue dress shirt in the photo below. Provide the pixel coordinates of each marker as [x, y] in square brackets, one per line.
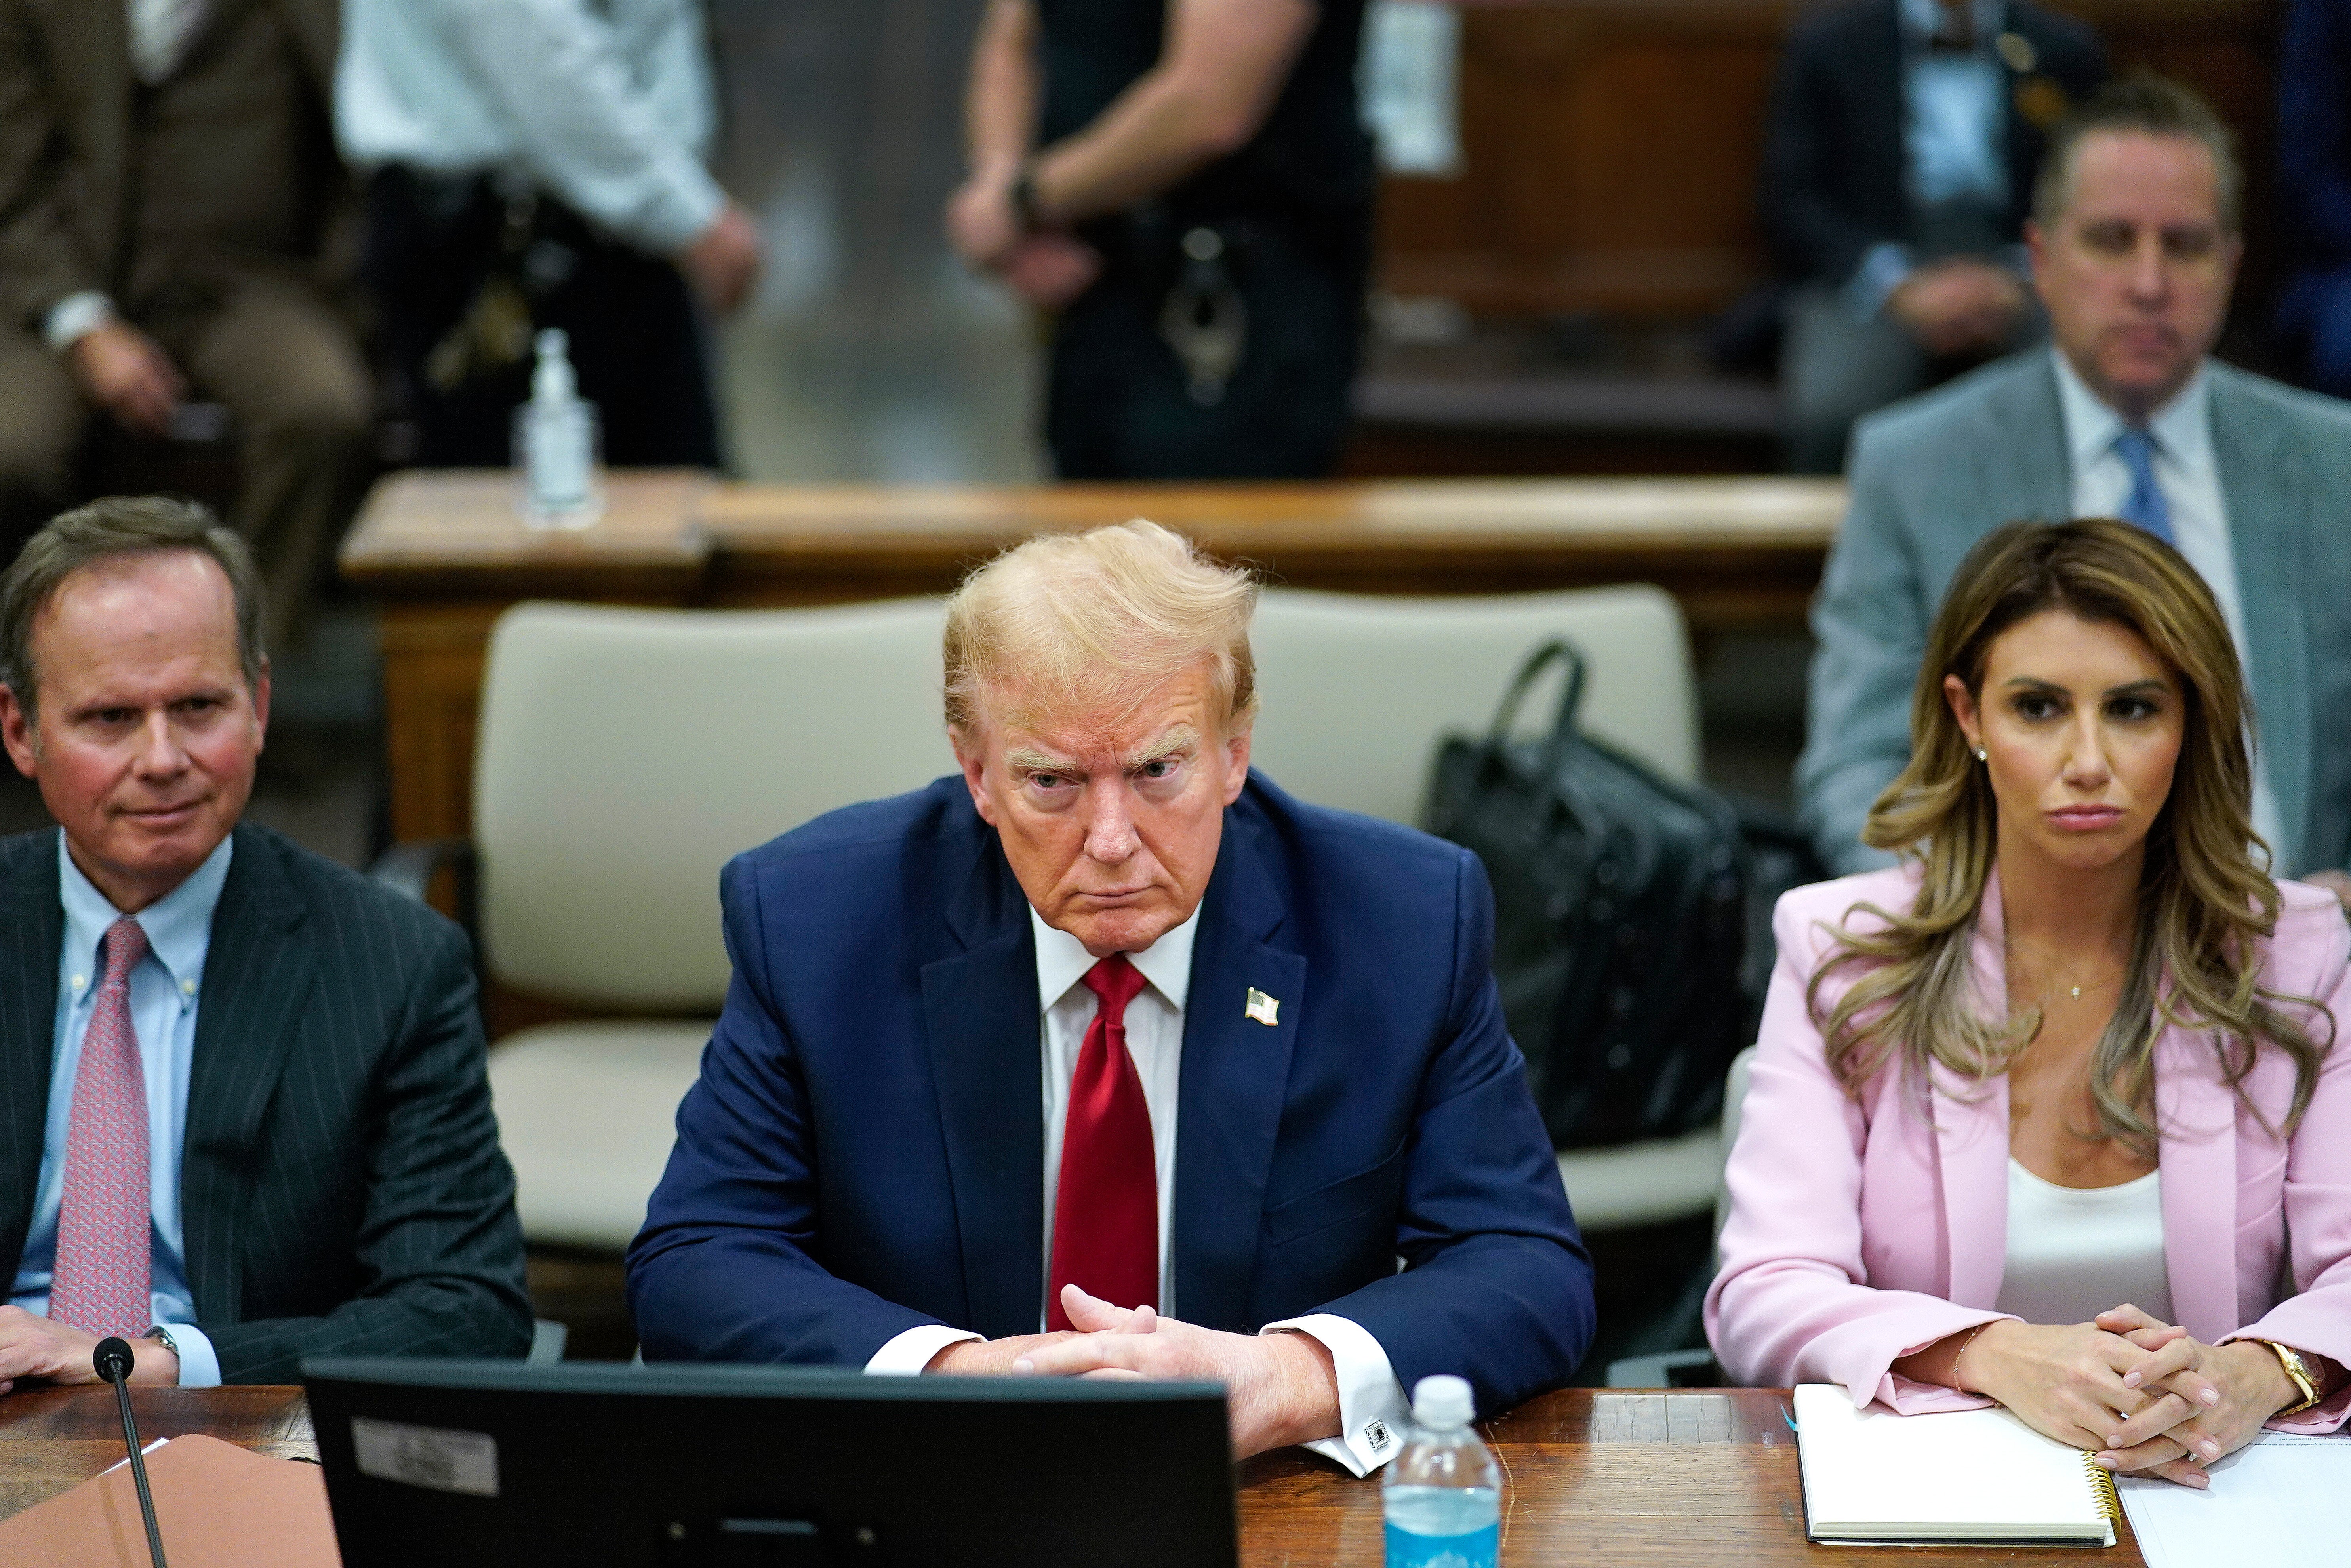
[1955, 139]
[165, 989]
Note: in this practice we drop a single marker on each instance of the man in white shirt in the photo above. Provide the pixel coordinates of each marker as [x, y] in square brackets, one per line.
[1106, 1054]
[2134, 250]
[540, 163]
[170, 204]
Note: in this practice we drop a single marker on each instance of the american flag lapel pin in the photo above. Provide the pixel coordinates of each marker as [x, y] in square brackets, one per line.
[1266, 1010]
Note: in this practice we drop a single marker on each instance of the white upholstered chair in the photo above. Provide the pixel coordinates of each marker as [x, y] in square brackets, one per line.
[1356, 691]
[624, 756]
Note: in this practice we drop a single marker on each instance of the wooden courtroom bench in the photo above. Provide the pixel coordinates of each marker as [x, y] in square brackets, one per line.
[445, 553]
[1609, 151]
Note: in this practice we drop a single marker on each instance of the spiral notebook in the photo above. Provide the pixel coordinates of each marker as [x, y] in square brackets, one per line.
[1872, 1477]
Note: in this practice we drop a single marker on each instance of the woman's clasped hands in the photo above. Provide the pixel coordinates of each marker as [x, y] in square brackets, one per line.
[2143, 1394]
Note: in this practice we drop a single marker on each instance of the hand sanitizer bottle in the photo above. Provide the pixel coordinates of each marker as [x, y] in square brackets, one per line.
[557, 444]
[1443, 1495]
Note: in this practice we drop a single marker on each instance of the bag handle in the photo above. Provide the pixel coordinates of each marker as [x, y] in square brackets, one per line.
[1557, 651]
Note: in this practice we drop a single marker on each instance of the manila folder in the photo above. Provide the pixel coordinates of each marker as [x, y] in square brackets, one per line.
[216, 1506]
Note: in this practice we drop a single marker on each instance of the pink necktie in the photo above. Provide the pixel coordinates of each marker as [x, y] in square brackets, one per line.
[103, 1262]
[1106, 1209]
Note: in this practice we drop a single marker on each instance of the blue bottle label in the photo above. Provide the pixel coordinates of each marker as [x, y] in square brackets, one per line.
[1472, 1549]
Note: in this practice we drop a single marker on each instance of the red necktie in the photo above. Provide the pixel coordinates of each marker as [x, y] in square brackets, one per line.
[1106, 1210]
[104, 1261]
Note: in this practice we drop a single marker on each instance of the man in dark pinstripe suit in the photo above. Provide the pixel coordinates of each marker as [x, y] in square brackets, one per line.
[243, 1115]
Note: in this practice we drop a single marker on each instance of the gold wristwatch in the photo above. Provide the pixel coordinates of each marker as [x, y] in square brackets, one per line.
[2298, 1373]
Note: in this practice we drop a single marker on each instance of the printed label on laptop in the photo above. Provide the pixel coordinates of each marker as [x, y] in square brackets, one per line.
[436, 1458]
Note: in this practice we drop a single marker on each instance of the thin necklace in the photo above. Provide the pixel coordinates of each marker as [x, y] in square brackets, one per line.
[2074, 993]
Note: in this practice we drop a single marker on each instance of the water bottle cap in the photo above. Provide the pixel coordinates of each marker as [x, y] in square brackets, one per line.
[1442, 1403]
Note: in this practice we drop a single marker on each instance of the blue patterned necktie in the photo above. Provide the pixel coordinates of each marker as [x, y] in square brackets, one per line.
[2145, 506]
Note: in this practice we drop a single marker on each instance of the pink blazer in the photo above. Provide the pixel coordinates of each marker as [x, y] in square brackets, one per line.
[1860, 1232]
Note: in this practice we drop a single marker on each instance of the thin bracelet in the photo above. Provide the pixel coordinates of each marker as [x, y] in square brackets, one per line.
[1962, 1350]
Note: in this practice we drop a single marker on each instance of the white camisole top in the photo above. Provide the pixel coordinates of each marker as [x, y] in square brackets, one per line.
[2072, 1252]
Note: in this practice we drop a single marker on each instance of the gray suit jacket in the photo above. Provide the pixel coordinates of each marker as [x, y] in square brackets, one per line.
[341, 1187]
[1932, 476]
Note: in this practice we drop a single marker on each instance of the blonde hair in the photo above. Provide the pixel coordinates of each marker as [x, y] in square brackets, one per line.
[1101, 617]
[2205, 908]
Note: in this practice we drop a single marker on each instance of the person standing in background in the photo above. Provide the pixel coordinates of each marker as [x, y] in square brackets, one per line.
[1188, 184]
[538, 163]
[1896, 171]
[169, 195]
[2314, 87]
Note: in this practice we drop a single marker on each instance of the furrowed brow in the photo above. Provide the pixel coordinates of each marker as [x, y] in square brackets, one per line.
[1180, 739]
[1028, 759]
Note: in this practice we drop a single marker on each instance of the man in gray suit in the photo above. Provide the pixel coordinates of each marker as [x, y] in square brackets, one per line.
[244, 1112]
[2135, 247]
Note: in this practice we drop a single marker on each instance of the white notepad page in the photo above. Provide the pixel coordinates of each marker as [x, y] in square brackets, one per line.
[2276, 1499]
[1968, 1475]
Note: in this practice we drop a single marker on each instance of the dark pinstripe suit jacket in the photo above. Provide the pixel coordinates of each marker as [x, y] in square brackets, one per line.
[341, 1187]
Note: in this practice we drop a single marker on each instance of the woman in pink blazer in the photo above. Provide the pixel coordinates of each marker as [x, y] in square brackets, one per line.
[2078, 1043]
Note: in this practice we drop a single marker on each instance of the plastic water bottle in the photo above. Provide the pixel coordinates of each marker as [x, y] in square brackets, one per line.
[557, 441]
[1443, 1493]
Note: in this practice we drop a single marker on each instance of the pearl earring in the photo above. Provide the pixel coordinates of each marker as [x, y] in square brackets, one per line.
[1982, 756]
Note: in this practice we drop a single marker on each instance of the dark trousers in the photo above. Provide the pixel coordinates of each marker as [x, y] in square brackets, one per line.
[636, 337]
[1118, 405]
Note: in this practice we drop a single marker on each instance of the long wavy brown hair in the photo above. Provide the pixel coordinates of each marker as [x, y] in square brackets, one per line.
[2207, 908]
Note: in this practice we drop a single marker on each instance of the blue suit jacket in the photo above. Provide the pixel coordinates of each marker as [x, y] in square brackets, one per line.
[864, 1151]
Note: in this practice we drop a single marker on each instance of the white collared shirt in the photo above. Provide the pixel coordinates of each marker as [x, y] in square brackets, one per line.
[2189, 477]
[1372, 1407]
[610, 105]
[161, 31]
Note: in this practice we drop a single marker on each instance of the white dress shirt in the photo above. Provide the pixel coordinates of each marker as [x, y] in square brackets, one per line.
[2189, 477]
[160, 34]
[161, 31]
[1372, 1407]
[609, 107]
[165, 989]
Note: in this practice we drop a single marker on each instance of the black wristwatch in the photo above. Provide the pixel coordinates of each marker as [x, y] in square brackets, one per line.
[1024, 200]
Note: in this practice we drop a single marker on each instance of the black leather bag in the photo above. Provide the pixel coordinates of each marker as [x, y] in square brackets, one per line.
[1620, 918]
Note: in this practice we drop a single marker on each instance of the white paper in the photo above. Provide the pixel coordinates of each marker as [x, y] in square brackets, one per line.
[1967, 1475]
[2276, 1499]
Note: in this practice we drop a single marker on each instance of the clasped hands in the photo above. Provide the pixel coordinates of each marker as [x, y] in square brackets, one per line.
[1048, 268]
[2144, 1396]
[1279, 1388]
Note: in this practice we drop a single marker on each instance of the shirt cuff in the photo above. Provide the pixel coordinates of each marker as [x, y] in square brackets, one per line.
[909, 1352]
[1373, 1408]
[199, 1362]
[1884, 267]
[74, 317]
[683, 213]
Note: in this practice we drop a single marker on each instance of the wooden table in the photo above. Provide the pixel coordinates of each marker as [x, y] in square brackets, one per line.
[1683, 1477]
[445, 554]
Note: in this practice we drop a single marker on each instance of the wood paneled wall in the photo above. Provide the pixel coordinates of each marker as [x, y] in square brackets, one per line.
[1609, 147]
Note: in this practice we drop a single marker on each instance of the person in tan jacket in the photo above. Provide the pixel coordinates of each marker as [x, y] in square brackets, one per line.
[169, 189]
